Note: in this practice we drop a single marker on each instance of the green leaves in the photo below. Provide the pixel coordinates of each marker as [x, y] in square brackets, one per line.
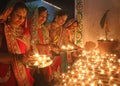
[103, 19]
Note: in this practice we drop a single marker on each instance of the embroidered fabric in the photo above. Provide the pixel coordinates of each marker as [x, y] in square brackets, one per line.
[18, 40]
[6, 77]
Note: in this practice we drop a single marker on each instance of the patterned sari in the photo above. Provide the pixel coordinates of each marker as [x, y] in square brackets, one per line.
[17, 46]
[43, 38]
[55, 35]
[55, 39]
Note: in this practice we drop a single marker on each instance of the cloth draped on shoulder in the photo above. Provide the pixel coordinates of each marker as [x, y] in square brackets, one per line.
[18, 46]
[21, 73]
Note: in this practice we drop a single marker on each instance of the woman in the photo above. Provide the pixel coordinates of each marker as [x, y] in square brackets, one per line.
[69, 38]
[40, 42]
[56, 27]
[39, 34]
[15, 44]
[69, 32]
[55, 34]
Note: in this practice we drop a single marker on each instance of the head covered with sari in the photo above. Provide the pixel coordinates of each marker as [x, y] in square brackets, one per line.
[17, 37]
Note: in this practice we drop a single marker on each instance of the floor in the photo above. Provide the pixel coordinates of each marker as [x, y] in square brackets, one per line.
[40, 81]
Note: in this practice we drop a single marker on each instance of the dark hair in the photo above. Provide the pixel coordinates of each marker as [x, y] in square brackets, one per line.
[60, 13]
[41, 9]
[19, 5]
[3, 4]
[70, 22]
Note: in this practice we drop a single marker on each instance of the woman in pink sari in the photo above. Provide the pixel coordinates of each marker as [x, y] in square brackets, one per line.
[15, 43]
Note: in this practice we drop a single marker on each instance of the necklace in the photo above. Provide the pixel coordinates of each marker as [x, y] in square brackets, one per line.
[16, 32]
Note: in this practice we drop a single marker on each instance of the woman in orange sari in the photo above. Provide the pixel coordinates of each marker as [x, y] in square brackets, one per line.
[15, 43]
[56, 34]
[70, 39]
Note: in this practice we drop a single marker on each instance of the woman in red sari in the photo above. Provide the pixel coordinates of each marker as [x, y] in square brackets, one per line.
[15, 43]
[40, 42]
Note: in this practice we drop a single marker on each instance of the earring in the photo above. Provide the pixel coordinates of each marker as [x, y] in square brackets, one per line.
[9, 17]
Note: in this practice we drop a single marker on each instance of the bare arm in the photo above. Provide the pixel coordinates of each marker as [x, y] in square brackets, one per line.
[6, 58]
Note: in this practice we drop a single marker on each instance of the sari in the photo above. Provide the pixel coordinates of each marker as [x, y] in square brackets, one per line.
[40, 44]
[43, 38]
[55, 35]
[40, 38]
[16, 44]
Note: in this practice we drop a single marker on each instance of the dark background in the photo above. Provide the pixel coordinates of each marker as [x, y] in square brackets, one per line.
[67, 5]
[3, 4]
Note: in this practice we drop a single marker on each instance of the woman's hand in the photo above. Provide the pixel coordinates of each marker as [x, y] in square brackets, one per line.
[55, 49]
[27, 56]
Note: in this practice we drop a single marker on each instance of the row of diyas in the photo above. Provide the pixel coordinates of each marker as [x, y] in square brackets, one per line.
[93, 69]
[102, 38]
[67, 47]
[43, 60]
[39, 61]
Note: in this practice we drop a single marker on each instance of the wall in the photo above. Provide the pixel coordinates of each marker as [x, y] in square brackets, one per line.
[53, 6]
[38, 3]
[93, 11]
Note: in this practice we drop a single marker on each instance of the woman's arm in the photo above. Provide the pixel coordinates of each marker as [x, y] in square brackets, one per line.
[6, 58]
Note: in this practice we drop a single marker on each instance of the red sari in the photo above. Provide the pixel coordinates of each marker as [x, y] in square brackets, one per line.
[14, 74]
[43, 38]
